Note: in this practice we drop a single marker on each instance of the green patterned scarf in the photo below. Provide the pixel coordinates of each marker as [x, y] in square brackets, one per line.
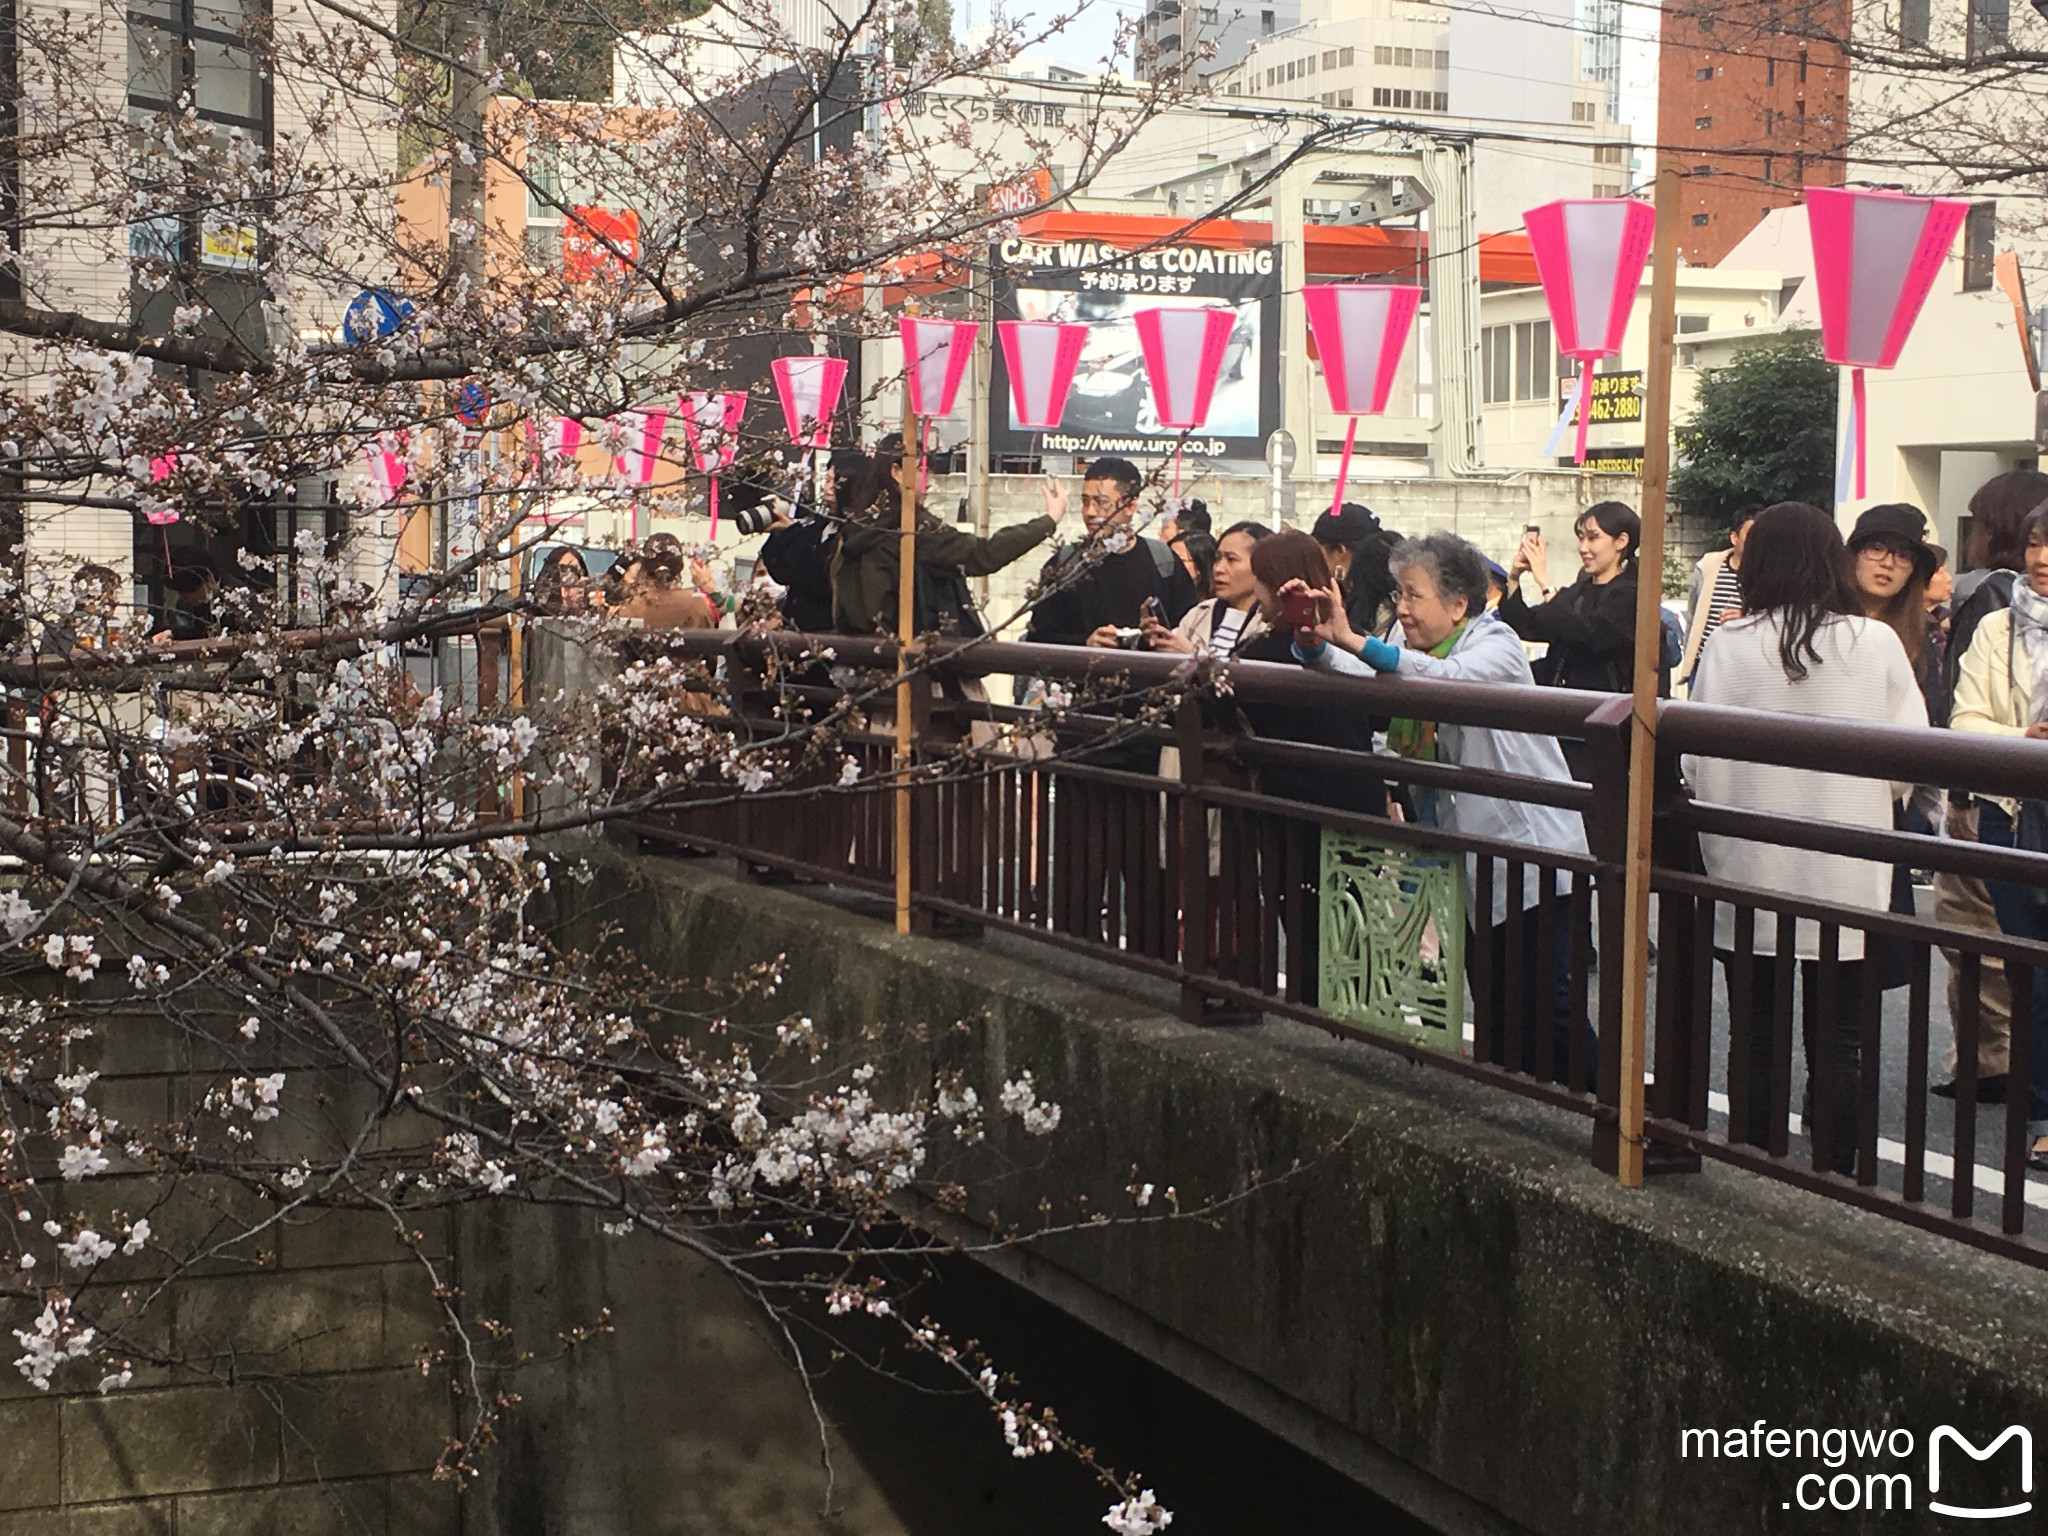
[1417, 738]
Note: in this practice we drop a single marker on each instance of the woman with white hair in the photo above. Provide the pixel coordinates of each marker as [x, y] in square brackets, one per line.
[1448, 632]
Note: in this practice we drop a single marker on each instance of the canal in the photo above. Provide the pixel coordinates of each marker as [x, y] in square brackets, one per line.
[938, 1456]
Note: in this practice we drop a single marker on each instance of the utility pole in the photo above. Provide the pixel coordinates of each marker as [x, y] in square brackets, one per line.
[1642, 732]
[911, 473]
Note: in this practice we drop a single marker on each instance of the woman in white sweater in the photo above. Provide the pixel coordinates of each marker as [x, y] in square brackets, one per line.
[1803, 647]
[2002, 690]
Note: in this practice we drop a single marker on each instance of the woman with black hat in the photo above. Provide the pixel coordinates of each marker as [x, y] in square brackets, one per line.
[1890, 564]
[1357, 547]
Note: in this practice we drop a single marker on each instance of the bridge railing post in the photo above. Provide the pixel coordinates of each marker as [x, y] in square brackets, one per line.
[1607, 758]
[1194, 854]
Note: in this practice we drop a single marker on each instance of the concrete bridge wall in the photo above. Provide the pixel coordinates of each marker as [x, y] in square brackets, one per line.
[1446, 1301]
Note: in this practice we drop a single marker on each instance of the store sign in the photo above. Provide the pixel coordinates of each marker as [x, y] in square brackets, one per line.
[599, 242]
[1617, 397]
[1110, 408]
[223, 242]
[1022, 195]
[1608, 461]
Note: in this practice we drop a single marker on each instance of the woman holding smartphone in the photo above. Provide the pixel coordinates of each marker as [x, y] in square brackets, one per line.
[1448, 632]
[1590, 626]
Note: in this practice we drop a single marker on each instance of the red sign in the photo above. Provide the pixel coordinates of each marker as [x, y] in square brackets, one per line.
[599, 242]
[1023, 195]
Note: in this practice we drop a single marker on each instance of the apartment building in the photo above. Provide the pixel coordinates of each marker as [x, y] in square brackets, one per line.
[197, 62]
[1753, 100]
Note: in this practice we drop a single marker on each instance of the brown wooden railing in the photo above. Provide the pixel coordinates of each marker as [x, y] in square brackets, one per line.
[1207, 882]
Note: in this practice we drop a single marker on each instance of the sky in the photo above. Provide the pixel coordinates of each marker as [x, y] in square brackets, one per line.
[1083, 43]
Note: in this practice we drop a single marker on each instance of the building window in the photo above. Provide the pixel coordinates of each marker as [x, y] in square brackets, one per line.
[1235, 89]
[1770, 178]
[1608, 189]
[1289, 75]
[1704, 74]
[1343, 98]
[196, 55]
[1443, 58]
[1404, 58]
[1770, 69]
[1441, 100]
[1383, 55]
[1980, 246]
[1802, 66]
[1582, 112]
[1329, 58]
[1690, 324]
[1610, 154]
[1704, 123]
[1404, 98]
[1913, 20]
[1990, 23]
[1345, 57]
[1703, 170]
[1382, 97]
[1266, 22]
[1770, 120]
[176, 46]
[1308, 65]
[1699, 221]
[1515, 362]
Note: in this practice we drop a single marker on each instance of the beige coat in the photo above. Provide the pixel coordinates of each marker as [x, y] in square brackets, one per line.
[1992, 698]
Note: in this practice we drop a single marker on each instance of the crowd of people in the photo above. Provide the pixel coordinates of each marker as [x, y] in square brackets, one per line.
[1790, 617]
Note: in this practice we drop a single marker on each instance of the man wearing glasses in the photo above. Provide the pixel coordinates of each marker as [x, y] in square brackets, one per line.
[1096, 592]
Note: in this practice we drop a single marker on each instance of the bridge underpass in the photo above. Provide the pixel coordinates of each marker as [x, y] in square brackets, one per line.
[1446, 1303]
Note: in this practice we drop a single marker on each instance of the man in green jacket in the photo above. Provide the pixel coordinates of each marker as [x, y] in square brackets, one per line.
[864, 571]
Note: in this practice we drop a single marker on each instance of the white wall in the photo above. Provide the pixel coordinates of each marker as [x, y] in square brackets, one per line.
[1515, 61]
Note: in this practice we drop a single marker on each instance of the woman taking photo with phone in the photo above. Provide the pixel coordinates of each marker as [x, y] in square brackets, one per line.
[1447, 631]
[1590, 626]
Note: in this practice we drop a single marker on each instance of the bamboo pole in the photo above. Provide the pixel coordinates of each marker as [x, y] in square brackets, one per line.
[1642, 756]
[911, 475]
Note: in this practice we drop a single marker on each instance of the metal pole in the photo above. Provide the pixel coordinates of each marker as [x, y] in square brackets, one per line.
[1642, 757]
[912, 473]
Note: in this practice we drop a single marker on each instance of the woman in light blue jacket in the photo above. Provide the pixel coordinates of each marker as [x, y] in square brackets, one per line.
[1447, 632]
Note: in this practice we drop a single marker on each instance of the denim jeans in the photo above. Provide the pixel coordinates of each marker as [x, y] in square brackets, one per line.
[2019, 918]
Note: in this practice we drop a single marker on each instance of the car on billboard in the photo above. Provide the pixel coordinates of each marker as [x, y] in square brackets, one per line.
[1109, 392]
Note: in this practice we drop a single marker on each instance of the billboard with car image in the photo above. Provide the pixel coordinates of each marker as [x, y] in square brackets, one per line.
[1104, 286]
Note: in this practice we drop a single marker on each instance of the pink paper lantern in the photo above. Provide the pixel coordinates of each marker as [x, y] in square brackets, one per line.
[1183, 354]
[1361, 330]
[1041, 356]
[1875, 257]
[640, 435]
[808, 387]
[1590, 254]
[711, 423]
[935, 358]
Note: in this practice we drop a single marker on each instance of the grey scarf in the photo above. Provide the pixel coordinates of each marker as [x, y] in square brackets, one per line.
[2030, 630]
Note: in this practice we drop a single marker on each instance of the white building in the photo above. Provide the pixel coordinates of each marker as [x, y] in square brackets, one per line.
[1524, 382]
[84, 256]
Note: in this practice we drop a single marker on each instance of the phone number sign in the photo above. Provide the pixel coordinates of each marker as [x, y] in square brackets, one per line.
[1617, 397]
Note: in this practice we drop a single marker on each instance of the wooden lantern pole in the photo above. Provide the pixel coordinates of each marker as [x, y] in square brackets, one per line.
[912, 476]
[1642, 755]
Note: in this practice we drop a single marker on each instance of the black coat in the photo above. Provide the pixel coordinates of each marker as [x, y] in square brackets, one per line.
[1113, 591]
[1590, 629]
[800, 558]
[1362, 792]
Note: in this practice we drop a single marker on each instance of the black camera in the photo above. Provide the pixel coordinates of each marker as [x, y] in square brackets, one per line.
[749, 500]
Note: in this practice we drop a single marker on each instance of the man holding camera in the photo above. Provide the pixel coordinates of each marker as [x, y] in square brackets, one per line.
[1101, 591]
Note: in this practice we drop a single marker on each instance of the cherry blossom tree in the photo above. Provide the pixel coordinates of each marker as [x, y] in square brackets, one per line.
[225, 324]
